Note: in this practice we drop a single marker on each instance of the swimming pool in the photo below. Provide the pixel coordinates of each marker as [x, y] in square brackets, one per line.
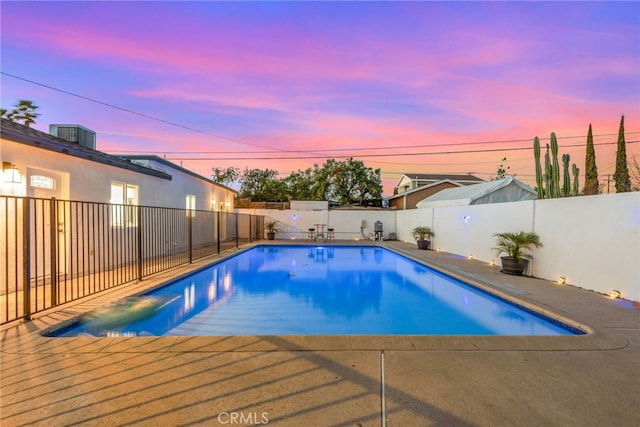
[315, 290]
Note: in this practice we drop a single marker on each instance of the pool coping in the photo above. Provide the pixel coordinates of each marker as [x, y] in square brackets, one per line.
[35, 340]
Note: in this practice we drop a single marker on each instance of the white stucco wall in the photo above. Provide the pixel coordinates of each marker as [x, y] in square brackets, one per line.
[294, 224]
[465, 230]
[592, 241]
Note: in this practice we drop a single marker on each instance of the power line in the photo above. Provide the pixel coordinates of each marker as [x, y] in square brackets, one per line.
[282, 151]
[396, 147]
[489, 150]
[126, 110]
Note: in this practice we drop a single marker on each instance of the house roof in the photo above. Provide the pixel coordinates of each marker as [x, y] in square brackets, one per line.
[424, 187]
[35, 138]
[502, 190]
[18, 133]
[165, 162]
[441, 177]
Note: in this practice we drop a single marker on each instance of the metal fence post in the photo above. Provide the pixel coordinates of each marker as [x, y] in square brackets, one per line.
[139, 221]
[218, 229]
[237, 229]
[190, 233]
[53, 245]
[26, 258]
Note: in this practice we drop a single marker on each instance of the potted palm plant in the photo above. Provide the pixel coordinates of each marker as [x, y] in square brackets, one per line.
[517, 246]
[271, 229]
[421, 234]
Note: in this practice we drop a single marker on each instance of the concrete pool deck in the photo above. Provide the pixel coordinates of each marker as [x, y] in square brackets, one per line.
[586, 380]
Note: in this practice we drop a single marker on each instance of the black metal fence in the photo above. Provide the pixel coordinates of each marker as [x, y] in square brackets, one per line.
[56, 251]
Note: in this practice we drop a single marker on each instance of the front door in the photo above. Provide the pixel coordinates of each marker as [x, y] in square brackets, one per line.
[48, 221]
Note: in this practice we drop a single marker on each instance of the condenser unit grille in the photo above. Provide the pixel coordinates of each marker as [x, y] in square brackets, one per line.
[75, 133]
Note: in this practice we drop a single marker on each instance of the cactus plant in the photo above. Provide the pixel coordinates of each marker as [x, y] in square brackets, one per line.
[576, 182]
[555, 171]
[566, 179]
[548, 183]
[547, 174]
[536, 153]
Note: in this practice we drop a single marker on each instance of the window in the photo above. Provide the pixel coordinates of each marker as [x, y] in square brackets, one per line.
[123, 198]
[42, 181]
[191, 205]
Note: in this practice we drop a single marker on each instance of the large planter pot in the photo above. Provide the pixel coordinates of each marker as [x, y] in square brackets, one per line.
[514, 266]
[271, 235]
[424, 244]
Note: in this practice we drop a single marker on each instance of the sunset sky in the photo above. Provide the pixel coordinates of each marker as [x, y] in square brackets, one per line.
[402, 86]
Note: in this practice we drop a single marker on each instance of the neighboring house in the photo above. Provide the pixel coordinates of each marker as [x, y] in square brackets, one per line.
[413, 188]
[497, 191]
[38, 164]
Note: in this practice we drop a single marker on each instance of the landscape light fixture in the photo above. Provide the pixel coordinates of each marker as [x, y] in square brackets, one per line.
[11, 173]
[562, 280]
[614, 294]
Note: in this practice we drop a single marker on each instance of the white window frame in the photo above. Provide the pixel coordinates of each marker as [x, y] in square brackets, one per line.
[42, 181]
[190, 203]
[122, 211]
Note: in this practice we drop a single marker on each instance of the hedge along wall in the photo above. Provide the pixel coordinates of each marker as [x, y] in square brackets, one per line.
[592, 241]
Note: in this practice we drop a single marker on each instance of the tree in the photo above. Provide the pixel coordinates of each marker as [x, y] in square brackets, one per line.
[24, 112]
[621, 175]
[260, 185]
[501, 172]
[352, 182]
[300, 185]
[591, 170]
[635, 174]
[225, 176]
[345, 182]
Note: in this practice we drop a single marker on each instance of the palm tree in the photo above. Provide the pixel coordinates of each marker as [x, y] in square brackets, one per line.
[25, 112]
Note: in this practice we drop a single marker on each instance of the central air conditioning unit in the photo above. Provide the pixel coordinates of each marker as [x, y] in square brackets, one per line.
[75, 134]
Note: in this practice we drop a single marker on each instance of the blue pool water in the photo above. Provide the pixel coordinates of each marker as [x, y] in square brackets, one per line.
[311, 290]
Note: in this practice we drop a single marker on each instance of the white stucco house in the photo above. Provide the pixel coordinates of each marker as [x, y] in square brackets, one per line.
[38, 164]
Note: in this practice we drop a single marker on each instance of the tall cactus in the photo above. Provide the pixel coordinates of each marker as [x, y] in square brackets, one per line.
[555, 172]
[536, 153]
[547, 175]
[549, 182]
[576, 182]
[566, 179]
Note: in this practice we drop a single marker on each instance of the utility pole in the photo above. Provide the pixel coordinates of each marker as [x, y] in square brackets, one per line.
[608, 181]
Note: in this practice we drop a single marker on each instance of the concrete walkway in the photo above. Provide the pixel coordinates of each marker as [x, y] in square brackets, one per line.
[587, 380]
